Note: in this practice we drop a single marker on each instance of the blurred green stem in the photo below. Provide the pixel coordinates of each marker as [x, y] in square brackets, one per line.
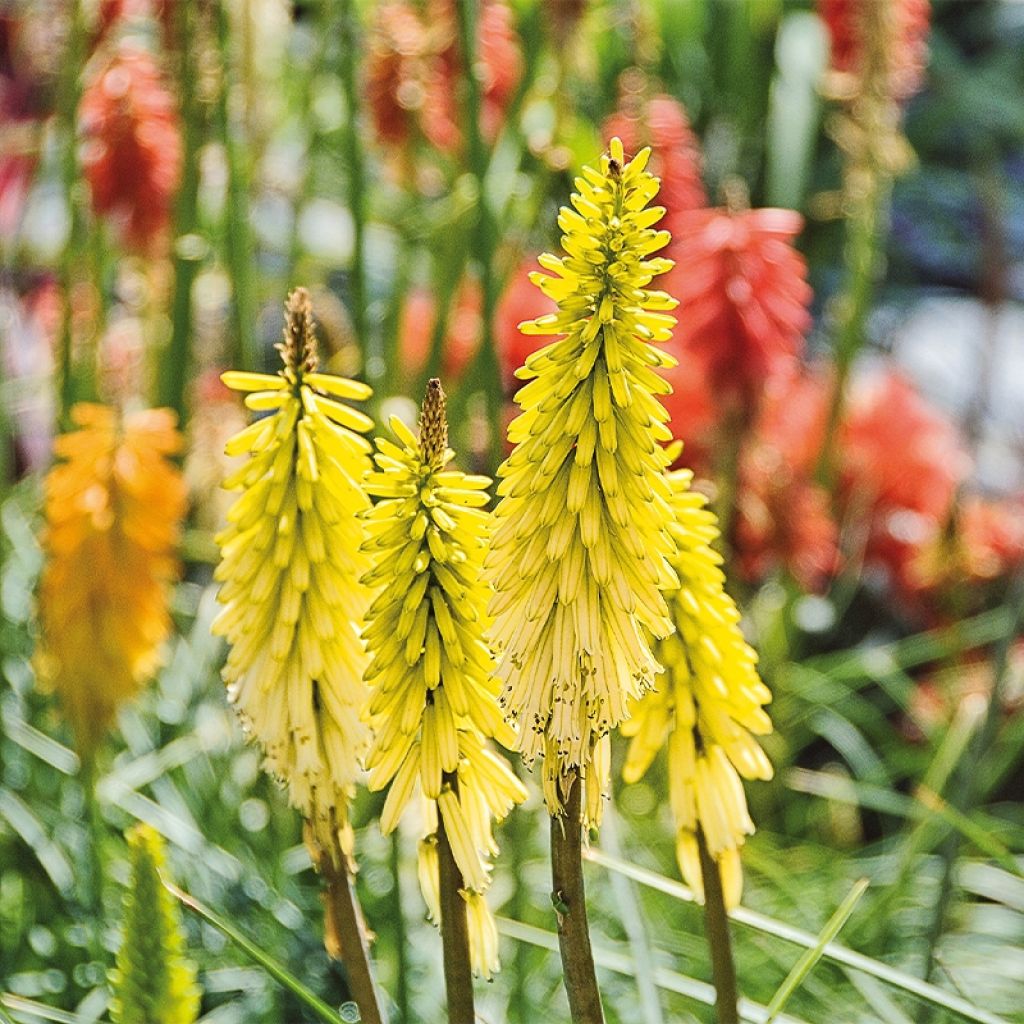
[92, 890]
[237, 236]
[716, 925]
[67, 121]
[401, 937]
[349, 43]
[176, 361]
[483, 373]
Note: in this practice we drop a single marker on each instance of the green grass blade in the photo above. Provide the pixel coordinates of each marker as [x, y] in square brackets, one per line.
[833, 951]
[269, 963]
[32, 1009]
[807, 962]
[622, 963]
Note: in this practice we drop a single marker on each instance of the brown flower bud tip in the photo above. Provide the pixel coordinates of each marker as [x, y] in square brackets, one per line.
[434, 424]
[299, 347]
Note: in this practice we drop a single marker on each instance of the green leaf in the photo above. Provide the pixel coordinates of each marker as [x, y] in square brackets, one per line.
[806, 963]
[267, 961]
[833, 951]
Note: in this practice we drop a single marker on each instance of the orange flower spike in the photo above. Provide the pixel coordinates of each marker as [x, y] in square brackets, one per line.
[114, 505]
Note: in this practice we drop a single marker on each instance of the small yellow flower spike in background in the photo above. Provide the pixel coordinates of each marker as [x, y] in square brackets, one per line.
[579, 556]
[434, 703]
[708, 707]
[114, 505]
[290, 570]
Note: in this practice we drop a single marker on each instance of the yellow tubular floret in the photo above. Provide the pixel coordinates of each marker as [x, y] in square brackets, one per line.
[433, 699]
[709, 706]
[580, 551]
[290, 569]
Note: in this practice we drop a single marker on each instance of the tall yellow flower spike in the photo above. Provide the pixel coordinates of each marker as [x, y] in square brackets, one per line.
[290, 569]
[709, 706]
[433, 701]
[114, 505]
[579, 556]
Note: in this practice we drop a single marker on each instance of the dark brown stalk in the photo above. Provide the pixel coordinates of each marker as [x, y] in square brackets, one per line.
[716, 925]
[458, 976]
[569, 898]
[345, 933]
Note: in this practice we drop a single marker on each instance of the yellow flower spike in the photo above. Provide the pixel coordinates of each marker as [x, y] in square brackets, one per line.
[580, 551]
[114, 504]
[708, 708]
[290, 568]
[433, 696]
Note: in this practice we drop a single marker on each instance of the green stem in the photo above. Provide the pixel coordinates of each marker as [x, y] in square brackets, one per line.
[92, 891]
[349, 43]
[483, 373]
[569, 897]
[175, 364]
[237, 240]
[716, 924]
[67, 121]
[401, 937]
[458, 975]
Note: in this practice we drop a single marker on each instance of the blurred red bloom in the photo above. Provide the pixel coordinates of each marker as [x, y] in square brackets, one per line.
[462, 337]
[414, 64]
[901, 462]
[522, 300]
[132, 152]
[395, 71]
[110, 14]
[992, 535]
[693, 415]
[663, 125]
[783, 517]
[743, 297]
[905, 26]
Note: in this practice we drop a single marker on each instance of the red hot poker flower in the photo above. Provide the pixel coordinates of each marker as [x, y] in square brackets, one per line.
[132, 153]
[743, 296]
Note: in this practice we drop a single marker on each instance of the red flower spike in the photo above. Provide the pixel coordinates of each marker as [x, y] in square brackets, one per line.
[907, 27]
[743, 295]
[132, 152]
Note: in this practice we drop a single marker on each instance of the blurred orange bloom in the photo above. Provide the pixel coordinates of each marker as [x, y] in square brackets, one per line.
[521, 300]
[901, 462]
[462, 334]
[743, 297]
[132, 152]
[114, 505]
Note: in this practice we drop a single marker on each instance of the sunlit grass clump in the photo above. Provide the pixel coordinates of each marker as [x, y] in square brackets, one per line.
[580, 551]
[290, 572]
[434, 704]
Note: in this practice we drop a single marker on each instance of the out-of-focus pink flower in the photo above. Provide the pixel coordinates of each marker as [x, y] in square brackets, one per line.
[522, 300]
[663, 125]
[783, 518]
[112, 14]
[904, 26]
[415, 62]
[992, 534]
[132, 152]
[901, 462]
[743, 297]
[462, 337]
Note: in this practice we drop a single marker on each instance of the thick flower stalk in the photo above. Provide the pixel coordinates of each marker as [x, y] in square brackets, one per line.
[580, 552]
[433, 703]
[709, 705]
[290, 571]
[154, 982]
[114, 505]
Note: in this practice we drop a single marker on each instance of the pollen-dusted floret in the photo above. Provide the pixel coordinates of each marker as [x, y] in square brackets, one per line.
[708, 706]
[433, 702]
[290, 569]
[579, 555]
[114, 505]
